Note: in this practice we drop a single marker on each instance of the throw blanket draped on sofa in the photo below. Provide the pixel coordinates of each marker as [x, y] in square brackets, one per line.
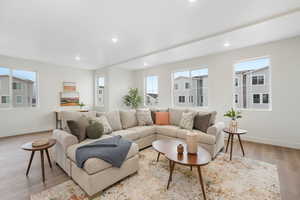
[113, 150]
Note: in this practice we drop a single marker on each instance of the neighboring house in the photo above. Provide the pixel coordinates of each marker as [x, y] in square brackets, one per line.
[100, 91]
[190, 91]
[23, 93]
[151, 99]
[252, 88]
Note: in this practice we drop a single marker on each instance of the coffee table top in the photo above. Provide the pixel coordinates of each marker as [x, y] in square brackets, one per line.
[237, 132]
[169, 148]
[28, 146]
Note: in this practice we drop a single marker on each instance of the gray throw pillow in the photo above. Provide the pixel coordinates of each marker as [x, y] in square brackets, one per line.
[202, 121]
[144, 117]
[83, 122]
[187, 120]
[94, 130]
[74, 128]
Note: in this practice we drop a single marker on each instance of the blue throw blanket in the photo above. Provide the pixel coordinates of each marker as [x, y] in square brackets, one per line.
[113, 150]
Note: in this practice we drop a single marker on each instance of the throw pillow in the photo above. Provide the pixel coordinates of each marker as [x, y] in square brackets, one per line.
[114, 120]
[187, 120]
[103, 120]
[144, 117]
[94, 130]
[202, 121]
[83, 122]
[175, 115]
[74, 128]
[162, 118]
[128, 118]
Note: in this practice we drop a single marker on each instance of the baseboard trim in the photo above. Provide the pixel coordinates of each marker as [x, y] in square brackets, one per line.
[22, 134]
[271, 142]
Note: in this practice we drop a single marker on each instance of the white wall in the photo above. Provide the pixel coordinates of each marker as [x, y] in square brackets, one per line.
[279, 126]
[117, 83]
[50, 80]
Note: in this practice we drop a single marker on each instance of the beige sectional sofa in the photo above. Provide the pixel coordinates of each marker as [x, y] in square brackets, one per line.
[97, 174]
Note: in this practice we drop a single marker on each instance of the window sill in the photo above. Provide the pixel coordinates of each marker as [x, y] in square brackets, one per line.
[255, 110]
[20, 108]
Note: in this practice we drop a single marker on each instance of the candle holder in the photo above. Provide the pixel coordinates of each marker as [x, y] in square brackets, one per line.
[180, 149]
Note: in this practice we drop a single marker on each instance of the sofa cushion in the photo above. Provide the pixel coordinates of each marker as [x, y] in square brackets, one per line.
[113, 118]
[202, 121]
[205, 138]
[103, 120]
[187, 120]
[144, 117]
[212, 119]
[154, 110]
[127, 134]
[168, 130]
[162, 118]
[175, 115]
[94, 130]
[128, 118]
[74, 115]
[143, 131]
[94, 165]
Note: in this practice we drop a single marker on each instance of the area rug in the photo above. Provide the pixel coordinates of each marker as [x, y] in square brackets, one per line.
[239, 179]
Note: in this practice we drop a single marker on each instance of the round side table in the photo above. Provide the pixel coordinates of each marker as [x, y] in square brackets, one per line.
[28, 147]
[231, 135]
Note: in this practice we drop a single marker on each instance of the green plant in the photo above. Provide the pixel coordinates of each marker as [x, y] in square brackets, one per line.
[132, 99]
[233, 114]
[81, 104]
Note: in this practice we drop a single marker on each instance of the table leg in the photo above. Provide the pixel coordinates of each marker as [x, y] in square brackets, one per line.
[30, 161]
[42, 165]
[191, 168]
[201, 182]
[47, 153]
[172, 164]
[231, 146]
[228, 141]
[241, 145]
[158, 157]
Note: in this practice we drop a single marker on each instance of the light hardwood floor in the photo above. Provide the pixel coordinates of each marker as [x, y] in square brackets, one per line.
[14, 185]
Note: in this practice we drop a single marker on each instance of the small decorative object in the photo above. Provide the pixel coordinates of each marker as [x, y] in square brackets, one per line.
[81, 105]
[191, 141]
[132, 99]
[234, 115]
[40, 142]
[180, 149]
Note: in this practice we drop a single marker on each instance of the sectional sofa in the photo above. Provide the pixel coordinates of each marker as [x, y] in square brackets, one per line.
[97, 174]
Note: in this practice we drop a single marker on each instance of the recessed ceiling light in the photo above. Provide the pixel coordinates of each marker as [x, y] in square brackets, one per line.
[114, 39]
[226, 44]
[146, 64]
[77, 58]
[192, 1]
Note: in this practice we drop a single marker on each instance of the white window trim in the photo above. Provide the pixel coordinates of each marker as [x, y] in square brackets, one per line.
[97, 76]
[259, 98]
[145, 89]
[257, 79]
[22, 99]
[189, 69]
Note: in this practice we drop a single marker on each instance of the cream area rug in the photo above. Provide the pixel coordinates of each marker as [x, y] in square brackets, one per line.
[239, 179]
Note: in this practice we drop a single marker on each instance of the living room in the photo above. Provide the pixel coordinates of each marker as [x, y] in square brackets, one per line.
[146, 100]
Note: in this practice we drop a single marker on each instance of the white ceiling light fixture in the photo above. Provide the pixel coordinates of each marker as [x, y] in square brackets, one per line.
[146, 64]
[77, 58]
[114, 39]
[192, 1]
[227, 44]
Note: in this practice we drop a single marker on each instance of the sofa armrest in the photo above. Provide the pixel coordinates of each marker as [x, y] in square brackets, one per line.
[216, 129]
[64, 139]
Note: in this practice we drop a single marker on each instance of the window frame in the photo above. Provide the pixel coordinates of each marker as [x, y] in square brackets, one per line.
[269, 82]
[97, 91]
[22, 99]
[258, 75]
[145, 89]
[11, 93]
[1, 99]
[189, 69]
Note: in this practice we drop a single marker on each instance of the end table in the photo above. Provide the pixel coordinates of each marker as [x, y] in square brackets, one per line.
[231, 135]
[28, 147]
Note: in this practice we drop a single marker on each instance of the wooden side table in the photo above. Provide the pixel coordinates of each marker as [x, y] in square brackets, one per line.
[28, 147]
[231, 135]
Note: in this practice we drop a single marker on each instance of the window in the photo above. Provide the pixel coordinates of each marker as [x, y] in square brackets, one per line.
[100, 91]
[256, 98]
[24, 88]
[196, 81]
[151, 90]
[181, 99]
[236, 98]
[265, 98]
[254, 80]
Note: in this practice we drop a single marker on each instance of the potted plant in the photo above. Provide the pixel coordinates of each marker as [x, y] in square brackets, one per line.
[132, 99]
[233, 115]
[81, 105]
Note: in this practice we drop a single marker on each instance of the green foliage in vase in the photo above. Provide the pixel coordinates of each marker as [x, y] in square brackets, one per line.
[81, 104]
[132, 99]
[233, 114]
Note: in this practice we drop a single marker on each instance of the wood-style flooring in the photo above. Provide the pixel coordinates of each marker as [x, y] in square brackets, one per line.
[14, 185]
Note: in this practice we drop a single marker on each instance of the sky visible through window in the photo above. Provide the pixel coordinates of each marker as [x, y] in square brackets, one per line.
[28, 75]
[101, 81]
[252, 64]
[197, 72]
[151, 84]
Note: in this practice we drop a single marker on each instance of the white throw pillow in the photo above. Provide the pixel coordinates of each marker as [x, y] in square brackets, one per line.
[144, 117]
[187, 120]
[106, 126]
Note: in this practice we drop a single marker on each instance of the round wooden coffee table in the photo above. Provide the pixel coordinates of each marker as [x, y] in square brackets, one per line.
[231, 135]
[169, 149]
[28, 147]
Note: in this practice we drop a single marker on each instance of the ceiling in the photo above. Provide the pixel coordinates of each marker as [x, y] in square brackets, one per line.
[156, 31]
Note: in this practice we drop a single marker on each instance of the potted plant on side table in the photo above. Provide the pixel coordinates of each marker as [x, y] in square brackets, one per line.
[234, 115]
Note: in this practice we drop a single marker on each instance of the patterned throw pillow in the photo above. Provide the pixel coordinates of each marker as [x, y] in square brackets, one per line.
[106, 126]
[144, 117]
[187, 120]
